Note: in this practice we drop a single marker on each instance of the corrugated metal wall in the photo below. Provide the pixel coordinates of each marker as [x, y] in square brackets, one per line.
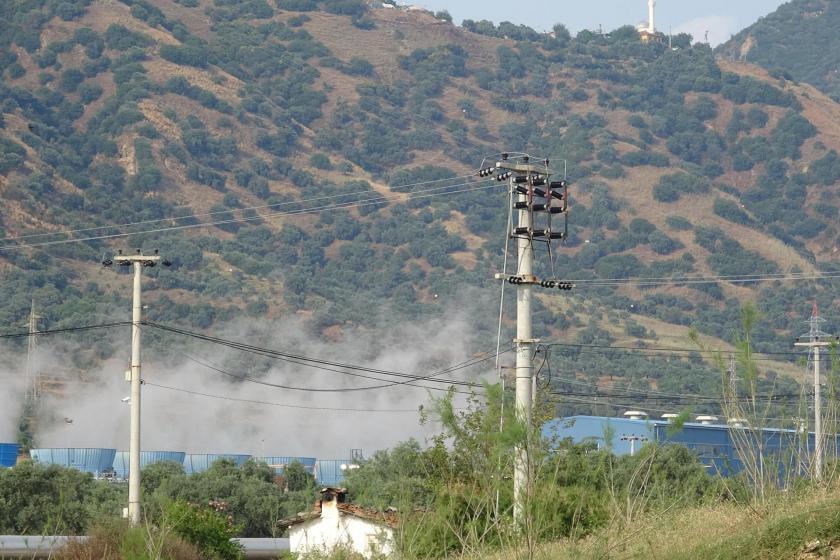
[8, 454]
[87, 459]
[279, 463]
[330, 472]
[121, 465]
[196, 463]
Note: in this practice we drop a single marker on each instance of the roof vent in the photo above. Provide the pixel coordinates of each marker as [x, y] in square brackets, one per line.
[670, 416]
[738, 422]
[636, 415]
[707, 420]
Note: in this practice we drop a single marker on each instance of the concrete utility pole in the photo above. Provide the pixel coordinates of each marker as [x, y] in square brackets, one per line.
[138, 261]
[816, 340]
[524, 347]
[534, 195]
[633, 438]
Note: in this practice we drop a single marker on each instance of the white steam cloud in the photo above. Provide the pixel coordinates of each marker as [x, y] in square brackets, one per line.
[178, 421]
[12, 383]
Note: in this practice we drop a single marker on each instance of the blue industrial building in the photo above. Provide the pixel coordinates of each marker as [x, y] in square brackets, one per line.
[96, 461]
[196, 463]
[121, 462]
[8, 454]
[331, 472]
[279, 463]
[110, 462]
[715, 444]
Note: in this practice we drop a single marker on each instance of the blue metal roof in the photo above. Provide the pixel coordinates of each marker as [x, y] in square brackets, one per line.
[716, 445]
[601, 430]
[87, 459]
[196, 462]
[330, 472]
[8, 454]
[121, 462]
[279, 463]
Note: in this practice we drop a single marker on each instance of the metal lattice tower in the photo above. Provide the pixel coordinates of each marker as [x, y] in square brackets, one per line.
[32, 391]
[815, 333]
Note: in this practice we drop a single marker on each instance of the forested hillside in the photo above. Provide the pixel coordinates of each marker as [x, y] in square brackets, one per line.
[798, 41]
[331, 145]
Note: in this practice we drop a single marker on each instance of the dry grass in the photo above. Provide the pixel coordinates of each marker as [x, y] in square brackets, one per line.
[723, 531]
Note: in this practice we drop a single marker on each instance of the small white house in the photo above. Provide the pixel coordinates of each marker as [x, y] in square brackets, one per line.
[335, 524]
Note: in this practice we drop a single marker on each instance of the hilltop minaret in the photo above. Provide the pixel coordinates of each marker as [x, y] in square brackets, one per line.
[651, 9]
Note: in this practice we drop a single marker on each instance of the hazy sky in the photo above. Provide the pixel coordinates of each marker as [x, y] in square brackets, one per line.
[721, 18]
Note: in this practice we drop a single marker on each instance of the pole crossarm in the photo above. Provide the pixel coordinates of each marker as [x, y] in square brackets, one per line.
[532, 280]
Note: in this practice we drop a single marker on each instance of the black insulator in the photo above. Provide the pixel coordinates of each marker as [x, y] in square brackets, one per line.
[547, 161]
[504, 156]
[486, 172]
[538, 207]
[554, 194]
[520, 205]
[520, 179]
[166, 263]
[557, 210]
[526, 159]
[522, 190]
[107, 262]
[558, 185]
[565, 286]
[548, 284]
[557, 235]
[504, 176]
[538, 181]
[125, 263]
[541, 232]
[521, 231]
[515, 280]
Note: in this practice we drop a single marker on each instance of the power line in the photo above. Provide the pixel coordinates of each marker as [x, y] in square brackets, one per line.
[317, 390]
[66, 330]
[660, 349]
[205, 214]
[689, 280]
[285, 405]
[380, 199]
[327, 365]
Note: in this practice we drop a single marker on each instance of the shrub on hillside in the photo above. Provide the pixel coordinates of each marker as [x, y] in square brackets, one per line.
[671, 187]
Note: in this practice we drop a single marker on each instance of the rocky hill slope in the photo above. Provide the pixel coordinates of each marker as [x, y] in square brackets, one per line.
[333, 147]
[797, 41]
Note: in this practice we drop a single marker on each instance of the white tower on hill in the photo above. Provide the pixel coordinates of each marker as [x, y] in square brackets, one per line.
[651, 9]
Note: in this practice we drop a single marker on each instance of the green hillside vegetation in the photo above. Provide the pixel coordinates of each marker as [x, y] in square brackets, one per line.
[796, 42]
[233, 112]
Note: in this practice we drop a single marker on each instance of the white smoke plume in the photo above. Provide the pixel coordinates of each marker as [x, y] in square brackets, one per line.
[93, 414]
[12, 387]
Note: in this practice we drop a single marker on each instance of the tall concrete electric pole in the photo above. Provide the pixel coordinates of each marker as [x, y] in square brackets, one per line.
[534, 195]
[817, 339]
[524, 346]
[138, 261]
